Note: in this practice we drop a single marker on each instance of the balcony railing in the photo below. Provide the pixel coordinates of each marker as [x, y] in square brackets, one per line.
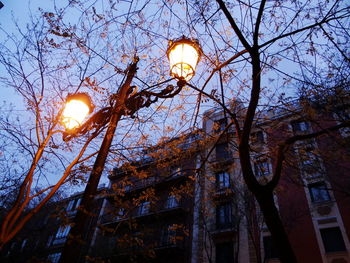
[223, 157]
[151, 181]
[113, 218]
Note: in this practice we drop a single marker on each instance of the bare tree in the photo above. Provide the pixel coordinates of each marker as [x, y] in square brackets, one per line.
[253, 51]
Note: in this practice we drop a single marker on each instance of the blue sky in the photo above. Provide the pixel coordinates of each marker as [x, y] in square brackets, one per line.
[16, 10]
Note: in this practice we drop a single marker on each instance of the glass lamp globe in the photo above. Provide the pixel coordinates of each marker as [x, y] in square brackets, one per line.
[183, 55]
[77, 107]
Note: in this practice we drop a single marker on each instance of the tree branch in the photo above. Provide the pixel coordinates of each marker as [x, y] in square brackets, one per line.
[284, 146]
[323, 21]
[234, 25]
[258, 21]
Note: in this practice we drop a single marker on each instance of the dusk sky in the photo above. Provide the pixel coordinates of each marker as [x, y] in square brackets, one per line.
[16, 10]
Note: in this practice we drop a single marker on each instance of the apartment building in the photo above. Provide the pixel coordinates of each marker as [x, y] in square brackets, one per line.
[148, 215]
[312, 196]
[185, 200]
[44, 236]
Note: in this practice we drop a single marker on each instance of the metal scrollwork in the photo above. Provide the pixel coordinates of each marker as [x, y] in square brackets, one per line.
[145, 98]
[96, 121]
[136, 101]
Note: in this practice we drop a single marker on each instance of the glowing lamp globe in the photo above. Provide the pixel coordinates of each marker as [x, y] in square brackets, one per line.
[78, 106]
[183, 55]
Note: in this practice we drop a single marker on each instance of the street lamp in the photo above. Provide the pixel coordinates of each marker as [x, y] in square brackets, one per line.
[77, 107]
[183, 55]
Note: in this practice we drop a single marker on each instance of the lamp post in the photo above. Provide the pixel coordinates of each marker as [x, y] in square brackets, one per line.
[183, 55]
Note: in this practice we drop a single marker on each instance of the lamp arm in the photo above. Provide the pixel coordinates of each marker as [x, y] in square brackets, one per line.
[96, 121]
[145, 98]
[135, 102]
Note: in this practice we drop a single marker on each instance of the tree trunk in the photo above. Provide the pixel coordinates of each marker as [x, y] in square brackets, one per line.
[274, 223]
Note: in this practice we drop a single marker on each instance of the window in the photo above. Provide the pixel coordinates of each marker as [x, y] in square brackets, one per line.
[61, 235]
[222, 180]
[175, 171]
[127, 188]
[310, 163]
[171, 202]
[300, 126]
[144, 208]
[24, 243]
[149, 181]
[49, 240]
[222, 151]
[62, 231]
[308, 158]
[224, 252]
[70, 205]
[270, 248]
[73, 204]
[308, 154]
[318, 192]
[54, 258]
[121, 214]
[261, 168]
[224, 216]
[341, 115]
[168, 236]
[258, 137]
[332, 239]
[220, 125]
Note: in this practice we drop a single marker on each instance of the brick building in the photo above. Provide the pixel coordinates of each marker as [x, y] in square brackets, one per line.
[44, 236]
[148, 215]
[312, 197]
[185, 200]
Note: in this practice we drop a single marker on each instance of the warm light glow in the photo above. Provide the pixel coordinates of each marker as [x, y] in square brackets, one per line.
[183, 56]
[74, 113]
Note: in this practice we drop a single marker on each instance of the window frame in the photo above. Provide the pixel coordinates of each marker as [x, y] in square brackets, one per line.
[270, 249]
[220, 124]
[73, 204]
[168, 235]
[300, 126]
[264, 170]
[171, 202]
[222, 180]
[54, 257]
[224, 252]
[331, 244]
[144, 208]
[340, 115]
[222, 151]
[175, 171]
[61, 235]
[224, 215]
[258, 137]
[320, 187]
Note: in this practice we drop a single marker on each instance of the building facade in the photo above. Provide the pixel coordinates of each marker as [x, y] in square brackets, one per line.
[312, 195]
[148, 215]
[185, 200]
[44, 236]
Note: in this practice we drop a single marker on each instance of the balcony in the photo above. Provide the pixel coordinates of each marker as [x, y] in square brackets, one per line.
[154, 181]
[58, 241]
[224, 193]
[110, 219]
[165, 211]
[224, 230]
[162, 247]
